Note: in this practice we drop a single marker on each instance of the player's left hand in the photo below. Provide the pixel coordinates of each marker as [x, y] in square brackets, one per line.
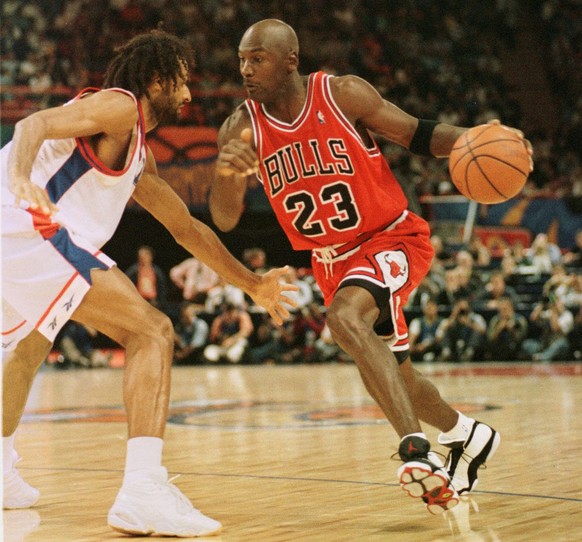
[270, 294]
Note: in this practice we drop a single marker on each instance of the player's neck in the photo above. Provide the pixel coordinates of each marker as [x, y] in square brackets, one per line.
[290, 100]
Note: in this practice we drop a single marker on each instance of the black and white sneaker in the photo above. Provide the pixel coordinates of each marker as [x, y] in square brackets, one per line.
[465, 458]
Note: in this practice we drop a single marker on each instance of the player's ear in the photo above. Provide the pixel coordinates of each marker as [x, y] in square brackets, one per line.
[156, 85]
[292, 61]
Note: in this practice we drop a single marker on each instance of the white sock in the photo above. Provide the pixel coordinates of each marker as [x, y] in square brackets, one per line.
[8, 452]
[143, 454]
[460, 431]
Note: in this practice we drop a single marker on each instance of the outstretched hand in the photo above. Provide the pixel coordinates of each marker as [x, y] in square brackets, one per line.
[270, 294]
[238, 157]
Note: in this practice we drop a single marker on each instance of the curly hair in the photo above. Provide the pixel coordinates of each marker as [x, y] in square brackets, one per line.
[145, 56]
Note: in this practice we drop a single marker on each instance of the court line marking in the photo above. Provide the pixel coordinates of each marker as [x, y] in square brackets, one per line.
[301, 479]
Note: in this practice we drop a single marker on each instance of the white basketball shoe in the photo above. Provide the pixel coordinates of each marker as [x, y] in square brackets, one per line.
[16, 492]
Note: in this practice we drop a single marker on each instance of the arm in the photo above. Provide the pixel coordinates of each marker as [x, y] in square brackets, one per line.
[236, 160]
[112, 113]
[157, 197]
[363, 105]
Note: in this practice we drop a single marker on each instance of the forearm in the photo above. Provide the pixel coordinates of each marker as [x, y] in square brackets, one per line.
[204, 244]
[28, 137]
[443, 139]
[226, 200]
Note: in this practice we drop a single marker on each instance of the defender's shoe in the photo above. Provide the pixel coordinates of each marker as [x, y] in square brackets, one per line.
[423, 476]
[155, 506]
[466, 457]
[17, 493]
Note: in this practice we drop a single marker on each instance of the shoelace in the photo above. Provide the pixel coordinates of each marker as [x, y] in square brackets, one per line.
[466, 458]
[181, 499]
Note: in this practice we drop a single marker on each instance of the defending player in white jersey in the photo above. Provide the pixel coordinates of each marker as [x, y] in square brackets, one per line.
[66, 178]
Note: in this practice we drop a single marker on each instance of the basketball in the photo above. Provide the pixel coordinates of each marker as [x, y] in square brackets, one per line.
[489, 164]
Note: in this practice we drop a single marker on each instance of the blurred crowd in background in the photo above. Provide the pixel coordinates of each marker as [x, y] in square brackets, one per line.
[438, 60]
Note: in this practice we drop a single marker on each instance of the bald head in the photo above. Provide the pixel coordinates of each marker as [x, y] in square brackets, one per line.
[272, 35]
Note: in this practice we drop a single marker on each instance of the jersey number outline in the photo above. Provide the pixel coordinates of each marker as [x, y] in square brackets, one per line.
[304, 204]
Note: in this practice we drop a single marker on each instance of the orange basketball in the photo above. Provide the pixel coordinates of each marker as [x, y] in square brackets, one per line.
[489, 164]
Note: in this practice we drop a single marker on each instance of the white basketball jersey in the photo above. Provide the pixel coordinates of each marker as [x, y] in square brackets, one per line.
[90, 197]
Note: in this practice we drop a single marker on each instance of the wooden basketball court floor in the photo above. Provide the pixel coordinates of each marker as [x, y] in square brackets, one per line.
[300, 453]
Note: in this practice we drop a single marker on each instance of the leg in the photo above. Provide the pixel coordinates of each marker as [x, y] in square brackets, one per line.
[147, 502]
[351, 318]
[428, 404]
[20, 368]
[114, 308]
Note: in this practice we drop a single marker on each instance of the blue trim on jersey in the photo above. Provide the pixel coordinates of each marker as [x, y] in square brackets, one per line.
[69, 173]
[78, 257]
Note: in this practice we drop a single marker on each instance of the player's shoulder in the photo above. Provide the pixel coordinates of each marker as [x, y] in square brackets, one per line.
[235, 122]
[348, 84]
[117, 104]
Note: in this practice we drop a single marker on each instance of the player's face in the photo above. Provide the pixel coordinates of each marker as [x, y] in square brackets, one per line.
[168, 104]
[263, 71]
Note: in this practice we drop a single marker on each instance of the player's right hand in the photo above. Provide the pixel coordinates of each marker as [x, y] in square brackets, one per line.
[36, 197]
[238, 157]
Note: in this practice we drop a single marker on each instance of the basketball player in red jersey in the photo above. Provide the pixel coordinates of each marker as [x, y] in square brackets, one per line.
[308, 137]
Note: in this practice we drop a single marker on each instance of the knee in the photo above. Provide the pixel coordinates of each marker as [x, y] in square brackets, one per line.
[31, 352]
[345, 326]
[155, 333]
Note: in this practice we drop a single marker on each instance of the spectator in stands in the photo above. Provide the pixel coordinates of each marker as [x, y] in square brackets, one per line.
[264, 346]
[570, 291]
[313, 322]
[292, 340]
[494, 290]
[556, 281]
[452, 290]
[462, 334]
[543, 254]
[149, 278]
[255, 259]
[190, 335]
[444, 256]
[505, 333]
[422, 331]
[573, 256]
[194, 279]
[224, 293]
[523, 261]
[479, 251]
[304, 295]
[575, 336]
[77, 345]
[229, 335]
[469, 278]
[427, 289]
[553, 323]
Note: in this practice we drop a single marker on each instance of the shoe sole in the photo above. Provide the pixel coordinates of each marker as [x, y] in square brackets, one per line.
[484, 454]
[434, 489]
[153, 532]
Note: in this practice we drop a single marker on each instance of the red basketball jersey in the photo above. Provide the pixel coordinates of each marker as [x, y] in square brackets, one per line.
[325, 186]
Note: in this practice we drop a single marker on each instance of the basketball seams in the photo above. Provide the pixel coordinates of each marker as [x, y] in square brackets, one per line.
[475, 160]
[486, 166]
